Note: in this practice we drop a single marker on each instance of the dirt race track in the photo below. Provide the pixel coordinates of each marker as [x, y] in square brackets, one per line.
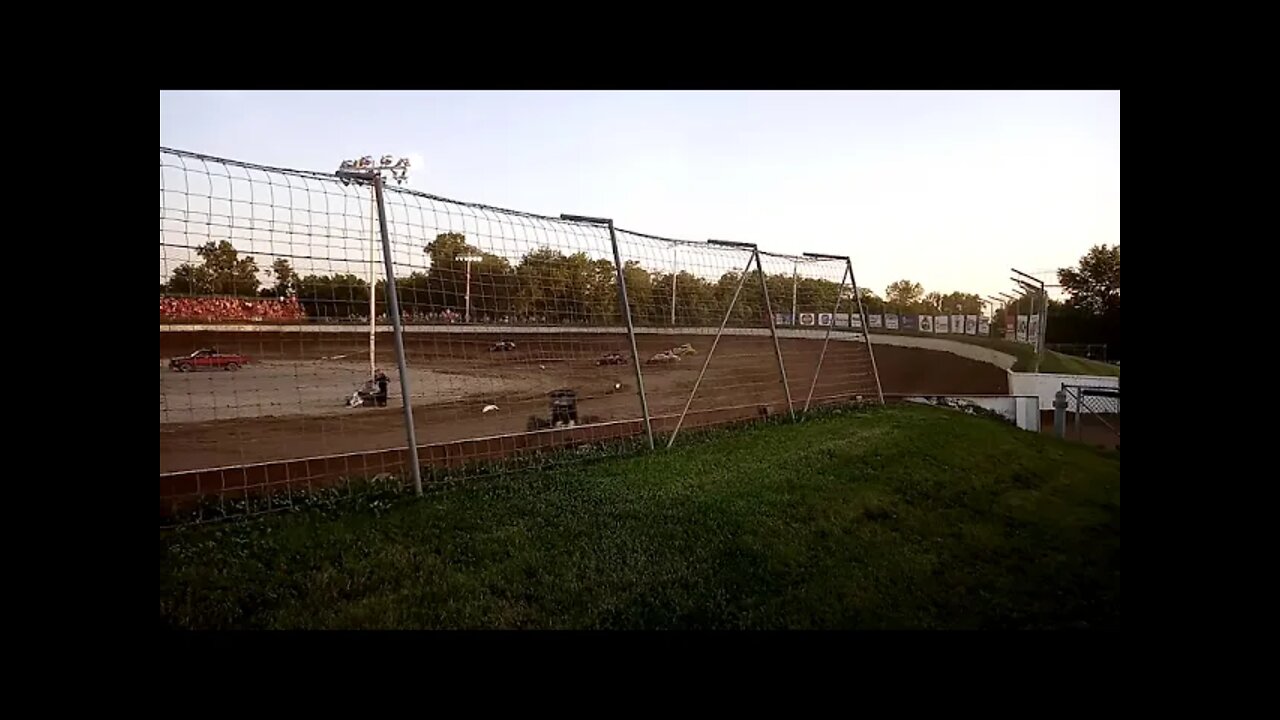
[288, 403]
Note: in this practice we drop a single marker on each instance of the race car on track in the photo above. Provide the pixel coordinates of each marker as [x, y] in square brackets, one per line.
[612, 358]
[682, 350]
[208, 359]
[563, 412]
[502, 346]
[666, 356]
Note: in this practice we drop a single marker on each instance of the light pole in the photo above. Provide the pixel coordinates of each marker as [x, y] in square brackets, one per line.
[675, 270]
[363, 172]
[373, 282]
[1010, 300]
[353, 169]
[1044, 309]
[468, 259]
[795, 273]
[994, 302]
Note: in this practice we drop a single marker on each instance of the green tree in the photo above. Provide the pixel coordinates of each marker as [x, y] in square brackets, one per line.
[337, 297]
[222, 272]
[695, 301]
[871, 303]
[932, 302]
[564, 288]
[286, 279]
[188, 279]
[961, 303]
[904, 294]
[1094, 284]
[444, 287]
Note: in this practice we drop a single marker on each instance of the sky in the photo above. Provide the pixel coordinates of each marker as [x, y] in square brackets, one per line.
[950, 189]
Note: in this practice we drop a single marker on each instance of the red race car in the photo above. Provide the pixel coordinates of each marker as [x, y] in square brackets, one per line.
[208, 359]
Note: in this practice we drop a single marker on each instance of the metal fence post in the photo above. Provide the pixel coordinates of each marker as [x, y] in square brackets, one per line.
[626, 313]
[1079, 404]
[866, 328]
[675, 271]
[727, 313]
[795, 292]
[1044, 321]
[1060, 413]
[631, 332]
[773, 330]
[826, 340]
[393, 309]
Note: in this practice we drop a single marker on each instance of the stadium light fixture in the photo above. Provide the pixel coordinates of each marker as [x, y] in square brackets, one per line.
[468, 259]
[364, 170]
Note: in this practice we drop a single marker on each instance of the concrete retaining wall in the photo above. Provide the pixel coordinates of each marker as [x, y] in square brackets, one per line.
[1046, 385]
[1004, 361]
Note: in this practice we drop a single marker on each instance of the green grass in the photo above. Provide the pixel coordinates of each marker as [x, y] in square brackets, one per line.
[899, 517]
[1055, 362]
[1025, 357]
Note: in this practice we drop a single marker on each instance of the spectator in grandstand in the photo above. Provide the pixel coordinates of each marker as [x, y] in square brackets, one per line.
[218, 309]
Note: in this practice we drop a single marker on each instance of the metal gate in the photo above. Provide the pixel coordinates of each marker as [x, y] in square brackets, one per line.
[1095, 411]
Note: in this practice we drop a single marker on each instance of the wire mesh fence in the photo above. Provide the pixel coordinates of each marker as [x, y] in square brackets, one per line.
[278, 366]
[1093, 414]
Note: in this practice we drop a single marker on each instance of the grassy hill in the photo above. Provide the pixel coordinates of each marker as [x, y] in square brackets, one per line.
[898, 517]
[1025, 357]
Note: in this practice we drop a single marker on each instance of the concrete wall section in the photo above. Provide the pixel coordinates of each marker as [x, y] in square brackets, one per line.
[1018, 410]
[1046, 385]
[963, 349]
[353, 329]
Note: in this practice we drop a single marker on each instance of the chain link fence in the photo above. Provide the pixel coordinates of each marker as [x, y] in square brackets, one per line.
[1093, 414]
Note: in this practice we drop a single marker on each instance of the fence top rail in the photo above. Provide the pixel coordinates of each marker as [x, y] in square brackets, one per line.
[1099, 390]
[316, 175]
[332, 177]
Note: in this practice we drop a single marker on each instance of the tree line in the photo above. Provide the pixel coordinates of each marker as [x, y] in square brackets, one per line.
[557, 288]
[545, 284]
